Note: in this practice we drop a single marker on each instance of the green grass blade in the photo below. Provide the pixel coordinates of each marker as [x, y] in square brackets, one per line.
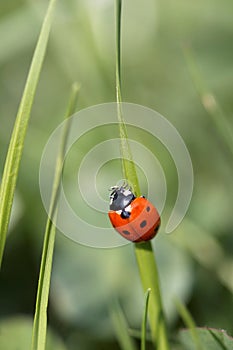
[13, 158]
[209, 102]
[126, 342]
[40, 317]
[144, 320]
[128, 166]
[189, 322]
[144, 252]
[150, 279]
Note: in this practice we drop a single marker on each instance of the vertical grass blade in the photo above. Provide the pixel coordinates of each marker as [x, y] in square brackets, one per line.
[189, 323]
[144, 320]
[150, 279]
[128, 166]
[121, 327]
[144, 252]
[14, 154]
[209, 102]
[40, 317]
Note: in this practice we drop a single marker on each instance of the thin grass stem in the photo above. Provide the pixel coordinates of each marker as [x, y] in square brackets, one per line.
[144, 320]
[189, 323]
[208, 100]
[40, 317]
[144, 252]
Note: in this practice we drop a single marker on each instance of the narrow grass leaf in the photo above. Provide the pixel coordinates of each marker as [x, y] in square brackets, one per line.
[210, 338]
[15, 149]
[40, 317]
[137, 334]
[217, 338]
[150, 279]
[209, 101]
[190, 324]
[144, 320]
[128, 166]
[144, 252]
[119, 322]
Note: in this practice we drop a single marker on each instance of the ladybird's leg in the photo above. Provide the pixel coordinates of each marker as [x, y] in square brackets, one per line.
[125, 214]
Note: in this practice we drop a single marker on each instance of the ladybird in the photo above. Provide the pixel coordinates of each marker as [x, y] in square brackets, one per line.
[135, 218]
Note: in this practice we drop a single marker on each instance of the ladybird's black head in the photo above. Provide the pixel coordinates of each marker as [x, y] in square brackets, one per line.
[120, 198]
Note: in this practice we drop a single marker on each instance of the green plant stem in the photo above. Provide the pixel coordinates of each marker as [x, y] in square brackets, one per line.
[144, 320]
[128, 165]
[150, 279]
[40, 317]
[189, 322]
[144, 252]
[126, 342]
[208, 101]
[15, 148]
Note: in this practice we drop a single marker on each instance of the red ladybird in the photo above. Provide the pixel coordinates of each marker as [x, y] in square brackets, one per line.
[135, 218]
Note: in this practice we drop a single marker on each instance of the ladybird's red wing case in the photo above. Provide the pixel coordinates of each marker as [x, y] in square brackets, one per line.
[144, 219]
[122, 226]
[142, 224]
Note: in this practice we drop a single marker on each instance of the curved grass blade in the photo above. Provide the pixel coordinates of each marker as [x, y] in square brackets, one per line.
[15, 149]
[121, 327]
[144, 320]
[208, 101]
[144, 252]
[40, 317]
[189, 322]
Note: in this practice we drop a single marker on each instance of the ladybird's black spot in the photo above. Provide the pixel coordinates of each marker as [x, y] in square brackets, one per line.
[143, 223]
[148, 208]
[126, 232]
[156, 229]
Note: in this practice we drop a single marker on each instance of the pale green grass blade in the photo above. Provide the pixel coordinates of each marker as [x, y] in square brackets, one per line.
[137, 334]
[128, 166]
[15, 149]
[119, 322]
[150, 279]
[40, 317]
[190, 324]
[144, 252]
[144, 320]
[209, 101]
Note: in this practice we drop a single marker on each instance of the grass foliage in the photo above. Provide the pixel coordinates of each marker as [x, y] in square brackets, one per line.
[205, 237]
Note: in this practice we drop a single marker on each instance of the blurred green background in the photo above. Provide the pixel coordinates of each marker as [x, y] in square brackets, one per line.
[195, 262]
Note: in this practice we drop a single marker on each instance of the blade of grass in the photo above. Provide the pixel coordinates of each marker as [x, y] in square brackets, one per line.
[217, 339]
[128, 165]
[208, 100]
[15, 149]
[144, 252]
[144, 320]
[40, 317]
[121, 327]
[150, 279]
[189, 322]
